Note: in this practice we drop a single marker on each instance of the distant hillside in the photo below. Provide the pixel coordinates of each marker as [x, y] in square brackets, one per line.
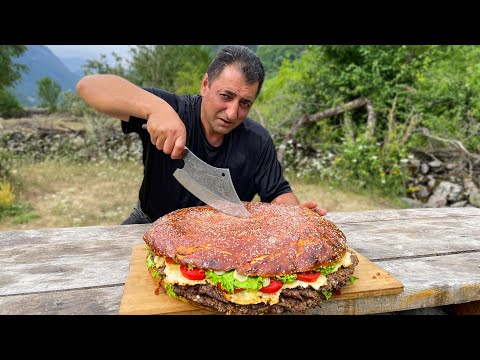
[74, 64]
[41, 62]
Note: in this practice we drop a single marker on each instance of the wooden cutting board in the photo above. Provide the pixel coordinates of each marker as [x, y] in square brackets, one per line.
[142, 296]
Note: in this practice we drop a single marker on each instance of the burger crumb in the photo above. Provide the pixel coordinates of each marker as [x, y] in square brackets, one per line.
[378, 274]
[374, 277]
[157, 290]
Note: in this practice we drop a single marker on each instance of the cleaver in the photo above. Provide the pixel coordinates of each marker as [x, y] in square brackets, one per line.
[210, 184]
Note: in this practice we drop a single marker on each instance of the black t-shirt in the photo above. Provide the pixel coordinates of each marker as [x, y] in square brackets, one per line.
[247, 151]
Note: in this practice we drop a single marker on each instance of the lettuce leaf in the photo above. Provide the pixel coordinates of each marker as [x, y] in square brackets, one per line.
[228, 282]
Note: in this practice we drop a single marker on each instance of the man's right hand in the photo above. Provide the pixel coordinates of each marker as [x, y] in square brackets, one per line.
[167, 132]
[118, 97]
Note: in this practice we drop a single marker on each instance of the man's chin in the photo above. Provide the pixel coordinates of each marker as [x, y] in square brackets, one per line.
[224, 129]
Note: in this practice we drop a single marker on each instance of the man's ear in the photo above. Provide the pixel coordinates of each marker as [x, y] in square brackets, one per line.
[204, 87]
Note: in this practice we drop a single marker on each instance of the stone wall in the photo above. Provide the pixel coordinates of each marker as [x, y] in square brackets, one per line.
[438, 184]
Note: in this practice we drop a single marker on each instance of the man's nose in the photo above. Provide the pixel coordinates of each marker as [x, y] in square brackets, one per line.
[232, 110]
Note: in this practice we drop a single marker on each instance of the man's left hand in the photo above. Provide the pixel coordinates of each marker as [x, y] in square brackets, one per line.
[314, 206]
[290, 198]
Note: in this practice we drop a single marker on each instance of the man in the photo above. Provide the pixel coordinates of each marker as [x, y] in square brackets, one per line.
[214, 126]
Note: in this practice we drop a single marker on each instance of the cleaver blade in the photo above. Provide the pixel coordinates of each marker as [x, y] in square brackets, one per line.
[210, 184]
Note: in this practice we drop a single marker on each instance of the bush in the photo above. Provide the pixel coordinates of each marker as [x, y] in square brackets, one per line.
[7, 197]
[10, 107]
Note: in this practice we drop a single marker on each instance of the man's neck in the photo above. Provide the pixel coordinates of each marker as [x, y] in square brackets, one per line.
[215, 139]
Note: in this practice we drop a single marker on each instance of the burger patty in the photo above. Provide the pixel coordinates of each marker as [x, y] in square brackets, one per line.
[295, 300]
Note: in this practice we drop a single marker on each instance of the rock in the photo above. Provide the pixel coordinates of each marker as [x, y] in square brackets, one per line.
[469, 186]
[474, 199]
[436, 165]
[444, 192]
[412, 202]
[424, 168]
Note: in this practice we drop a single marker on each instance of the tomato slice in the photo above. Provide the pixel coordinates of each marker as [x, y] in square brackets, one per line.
[273, 287]
[235, 290]
[192, 273]
[170, 260]
[308, 276]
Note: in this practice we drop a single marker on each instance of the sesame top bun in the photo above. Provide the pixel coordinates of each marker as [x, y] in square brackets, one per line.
[275, 240]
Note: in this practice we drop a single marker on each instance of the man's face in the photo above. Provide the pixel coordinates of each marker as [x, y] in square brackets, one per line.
[226, 102]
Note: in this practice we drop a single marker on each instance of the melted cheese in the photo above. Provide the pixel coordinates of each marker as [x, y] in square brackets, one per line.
[345, 261]
[174, 276]
[252, 297]
[159, 261]
[322, 280]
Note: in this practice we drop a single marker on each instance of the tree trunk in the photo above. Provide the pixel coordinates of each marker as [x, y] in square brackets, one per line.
[306, 119]
[371, 121]
[348, 127]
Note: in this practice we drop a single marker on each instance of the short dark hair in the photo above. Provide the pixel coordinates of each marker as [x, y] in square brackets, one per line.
[244, 58]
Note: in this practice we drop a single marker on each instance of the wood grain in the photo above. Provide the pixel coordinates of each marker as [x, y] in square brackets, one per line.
[67, 258]
[139, 292]
[389, 234]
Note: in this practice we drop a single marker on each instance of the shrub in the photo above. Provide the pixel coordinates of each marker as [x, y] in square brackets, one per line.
[7, 196]
[10, 107]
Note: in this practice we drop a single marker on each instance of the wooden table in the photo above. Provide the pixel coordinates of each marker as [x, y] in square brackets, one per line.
[435, 253]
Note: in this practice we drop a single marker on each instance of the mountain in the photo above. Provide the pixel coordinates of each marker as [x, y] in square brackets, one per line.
[74, 64]
[41, 62]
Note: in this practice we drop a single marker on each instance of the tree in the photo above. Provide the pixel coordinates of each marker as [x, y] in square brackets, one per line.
[102, 66]
[10, 73]
[274, 55]
[48, 91]
[175, 68]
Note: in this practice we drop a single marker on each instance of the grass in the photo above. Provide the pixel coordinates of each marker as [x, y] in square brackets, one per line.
[66, 194]
[63, 194]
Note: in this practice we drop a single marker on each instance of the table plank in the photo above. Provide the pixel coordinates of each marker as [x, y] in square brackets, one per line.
[66, 258]
[365, 216]
[96, 301]
[401, 238]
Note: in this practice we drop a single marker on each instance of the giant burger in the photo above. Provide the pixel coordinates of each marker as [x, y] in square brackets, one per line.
[283, 258]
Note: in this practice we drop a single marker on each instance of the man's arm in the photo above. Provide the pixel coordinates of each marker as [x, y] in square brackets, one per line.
[290, 198]
[117, 97]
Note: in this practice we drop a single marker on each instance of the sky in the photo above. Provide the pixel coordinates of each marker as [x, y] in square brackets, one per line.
[89, 51]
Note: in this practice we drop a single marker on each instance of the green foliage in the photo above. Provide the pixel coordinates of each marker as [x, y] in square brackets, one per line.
[10, 72]
[102, 66]
[8, 206]
[273, 56]
[6, 160]
[175, 68]
[362, 165]
[326, 76]
[448, 95]
[278, 104]
[21, 212]
[48, 92]
[71, 103]
[10, 107]
[7, 196]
